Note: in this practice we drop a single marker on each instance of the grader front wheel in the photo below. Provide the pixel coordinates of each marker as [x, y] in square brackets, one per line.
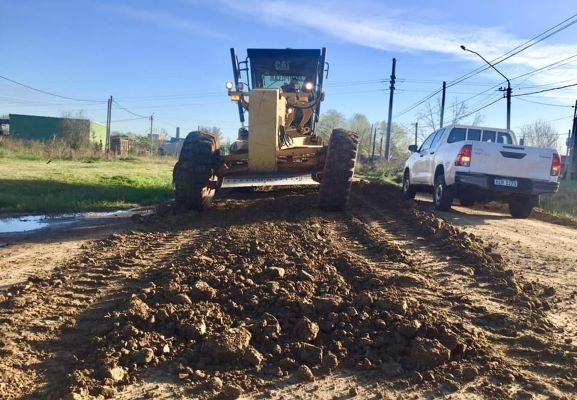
[338, 170]
[194, 175]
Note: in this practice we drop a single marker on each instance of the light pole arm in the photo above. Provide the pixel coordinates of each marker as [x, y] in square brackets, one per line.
[491, 65]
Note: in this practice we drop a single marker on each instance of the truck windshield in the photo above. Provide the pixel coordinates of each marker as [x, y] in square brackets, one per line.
[288, 69]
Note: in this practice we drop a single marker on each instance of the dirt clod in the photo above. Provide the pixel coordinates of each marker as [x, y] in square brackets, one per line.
[305, 374]
[227, 346]
[427, 353]
[231, 391]
[306, 330]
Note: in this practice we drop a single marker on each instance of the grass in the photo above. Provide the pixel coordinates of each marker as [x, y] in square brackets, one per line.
[35, 186]
[381, 172]
[564, 202]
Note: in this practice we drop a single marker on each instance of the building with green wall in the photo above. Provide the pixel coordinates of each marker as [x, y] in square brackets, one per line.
[33, 127]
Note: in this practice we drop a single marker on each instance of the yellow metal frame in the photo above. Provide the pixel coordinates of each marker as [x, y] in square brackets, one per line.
[269, 112]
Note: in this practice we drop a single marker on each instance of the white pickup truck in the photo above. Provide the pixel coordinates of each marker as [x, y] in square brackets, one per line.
[478, 164]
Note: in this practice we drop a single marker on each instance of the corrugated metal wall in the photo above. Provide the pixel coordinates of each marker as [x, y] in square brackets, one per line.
[33, 127]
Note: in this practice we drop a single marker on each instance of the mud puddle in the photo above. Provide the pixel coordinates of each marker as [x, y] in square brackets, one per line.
[30, 223]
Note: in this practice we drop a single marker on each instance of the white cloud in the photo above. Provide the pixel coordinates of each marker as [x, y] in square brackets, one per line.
[396, 30]
[164, 20]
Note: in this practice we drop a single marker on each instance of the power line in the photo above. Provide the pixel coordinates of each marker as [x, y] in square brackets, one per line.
[564, 61]
[128, 111]
[546, 84]
[130, 119]
[49, 93]
[516, 50]
[522, 47]
[546, 104]
[545, 90]
[481, 108]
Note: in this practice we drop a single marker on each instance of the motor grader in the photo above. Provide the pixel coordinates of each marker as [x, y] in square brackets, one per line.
[281, 90]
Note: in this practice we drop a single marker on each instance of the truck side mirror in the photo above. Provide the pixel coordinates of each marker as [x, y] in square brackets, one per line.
[413, 148]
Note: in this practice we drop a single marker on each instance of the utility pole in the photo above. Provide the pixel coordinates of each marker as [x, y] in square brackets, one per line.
[151, 120]
[390, 119]
[416, 131]
[571, 162]
[374, 143]
[443, 104]
[507, 90]
[381, 148]
[108, 123]
[370, 138]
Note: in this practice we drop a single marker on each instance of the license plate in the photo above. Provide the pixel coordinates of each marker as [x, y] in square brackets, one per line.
[506, 182]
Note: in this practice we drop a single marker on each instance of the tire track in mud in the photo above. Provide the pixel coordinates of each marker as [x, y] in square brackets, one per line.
[376, 282]
[513, 322]
[49, 322]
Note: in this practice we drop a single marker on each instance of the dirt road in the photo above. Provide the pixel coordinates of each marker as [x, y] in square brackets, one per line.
[541, 252]
[266, 297]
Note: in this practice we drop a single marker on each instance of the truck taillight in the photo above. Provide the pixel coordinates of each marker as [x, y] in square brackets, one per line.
[464, 156]
[556, 165]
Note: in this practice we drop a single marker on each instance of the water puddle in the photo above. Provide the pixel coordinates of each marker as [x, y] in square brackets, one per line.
[36, 222]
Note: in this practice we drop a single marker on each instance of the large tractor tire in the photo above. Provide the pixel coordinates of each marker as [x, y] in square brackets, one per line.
[338, 170]
[194, 175]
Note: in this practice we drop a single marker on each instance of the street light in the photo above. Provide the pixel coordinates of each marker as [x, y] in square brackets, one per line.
[508, 90]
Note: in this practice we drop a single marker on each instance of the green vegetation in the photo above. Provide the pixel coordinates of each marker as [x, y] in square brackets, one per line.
[564, 202]
[381, 172]
[34, 179]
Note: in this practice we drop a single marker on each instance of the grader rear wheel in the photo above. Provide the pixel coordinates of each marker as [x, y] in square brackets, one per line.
[338, 170]
[194, 174]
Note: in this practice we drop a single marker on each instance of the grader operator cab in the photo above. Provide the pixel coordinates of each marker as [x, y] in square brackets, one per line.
[281, 91]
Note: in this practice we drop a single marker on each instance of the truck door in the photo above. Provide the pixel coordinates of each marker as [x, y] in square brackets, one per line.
[429, 158]
[418, 174]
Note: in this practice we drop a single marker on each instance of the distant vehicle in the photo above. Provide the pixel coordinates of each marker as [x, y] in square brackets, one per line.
[479, 164]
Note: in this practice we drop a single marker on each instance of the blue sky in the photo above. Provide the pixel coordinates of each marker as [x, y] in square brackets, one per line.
[171, 58]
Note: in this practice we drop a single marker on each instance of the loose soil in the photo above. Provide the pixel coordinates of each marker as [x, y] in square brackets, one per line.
[265, 297]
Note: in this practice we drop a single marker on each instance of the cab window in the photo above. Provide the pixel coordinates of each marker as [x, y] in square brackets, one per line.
[504, 137]
[489, 136]
[427, 143]
[474, 134]
[437, 138]
[457, 135]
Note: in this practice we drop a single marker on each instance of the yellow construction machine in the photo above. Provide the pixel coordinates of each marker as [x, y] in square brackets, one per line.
[282, 91]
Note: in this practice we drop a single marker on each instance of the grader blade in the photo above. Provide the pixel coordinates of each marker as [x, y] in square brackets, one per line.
[259, 180]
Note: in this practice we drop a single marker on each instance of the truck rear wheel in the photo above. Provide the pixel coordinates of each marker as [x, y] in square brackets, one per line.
[522, 207]
[338, 171]
[194, 176]
[442, 194]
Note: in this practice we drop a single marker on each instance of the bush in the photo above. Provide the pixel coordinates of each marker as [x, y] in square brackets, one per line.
[382, 171]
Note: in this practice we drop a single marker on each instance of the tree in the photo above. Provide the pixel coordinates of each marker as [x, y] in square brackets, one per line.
[213, 130]
[328, 121]
[400, 140]
[73, 130]
[430, 114]
[540, 134]
[360, 124]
